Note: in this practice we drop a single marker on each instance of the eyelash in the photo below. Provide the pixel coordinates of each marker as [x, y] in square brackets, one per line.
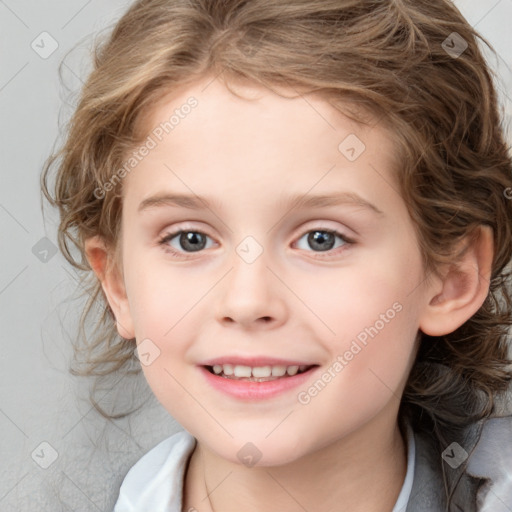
[184, 255]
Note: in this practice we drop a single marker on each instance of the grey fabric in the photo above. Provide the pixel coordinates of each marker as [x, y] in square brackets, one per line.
[482, 483]
[427, 490]
[492, 460]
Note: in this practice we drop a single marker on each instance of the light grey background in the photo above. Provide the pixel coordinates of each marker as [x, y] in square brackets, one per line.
[39, 401]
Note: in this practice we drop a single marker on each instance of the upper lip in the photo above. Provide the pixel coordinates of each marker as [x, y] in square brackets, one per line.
[254, 361]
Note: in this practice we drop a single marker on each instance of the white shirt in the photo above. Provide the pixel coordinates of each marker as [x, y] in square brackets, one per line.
[155, 482]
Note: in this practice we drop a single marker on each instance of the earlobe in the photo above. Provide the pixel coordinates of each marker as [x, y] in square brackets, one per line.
[465, 287]
[99, 259]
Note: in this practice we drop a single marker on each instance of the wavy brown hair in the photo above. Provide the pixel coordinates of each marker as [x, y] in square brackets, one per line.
[387, 58]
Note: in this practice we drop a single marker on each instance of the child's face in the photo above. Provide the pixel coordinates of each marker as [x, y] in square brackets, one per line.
[259, 287]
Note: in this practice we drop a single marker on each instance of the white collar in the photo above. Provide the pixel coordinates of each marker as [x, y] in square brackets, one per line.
[156, 481]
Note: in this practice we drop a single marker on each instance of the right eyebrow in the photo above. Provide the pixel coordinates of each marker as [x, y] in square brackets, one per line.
[183, 200]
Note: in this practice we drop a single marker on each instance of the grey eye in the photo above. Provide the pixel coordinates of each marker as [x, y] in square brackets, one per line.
[321, 240]
[187, 241]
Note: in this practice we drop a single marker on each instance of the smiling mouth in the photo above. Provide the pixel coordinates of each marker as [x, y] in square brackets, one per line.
[258, 373]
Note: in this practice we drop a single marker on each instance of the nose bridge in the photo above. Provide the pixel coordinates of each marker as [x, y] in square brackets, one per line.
[251, 292]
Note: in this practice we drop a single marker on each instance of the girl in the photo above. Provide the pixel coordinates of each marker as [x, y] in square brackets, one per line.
[298, 216]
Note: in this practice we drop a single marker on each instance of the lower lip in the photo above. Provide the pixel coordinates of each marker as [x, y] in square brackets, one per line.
[251, 390]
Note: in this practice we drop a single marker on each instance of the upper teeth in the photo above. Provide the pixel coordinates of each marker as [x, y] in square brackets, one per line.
[257, 371]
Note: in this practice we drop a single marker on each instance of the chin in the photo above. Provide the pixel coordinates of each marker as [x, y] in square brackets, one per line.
[256, 451]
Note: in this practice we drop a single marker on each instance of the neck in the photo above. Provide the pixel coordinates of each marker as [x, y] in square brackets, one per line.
[363, 471]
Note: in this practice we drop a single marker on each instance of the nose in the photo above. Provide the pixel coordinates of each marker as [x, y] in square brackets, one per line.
[251, 296]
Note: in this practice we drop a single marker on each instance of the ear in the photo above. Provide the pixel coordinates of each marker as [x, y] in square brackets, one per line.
[100, 260]
[456, 297]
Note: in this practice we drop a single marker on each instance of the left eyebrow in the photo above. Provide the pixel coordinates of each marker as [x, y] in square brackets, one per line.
[325, 200]
[297, 201]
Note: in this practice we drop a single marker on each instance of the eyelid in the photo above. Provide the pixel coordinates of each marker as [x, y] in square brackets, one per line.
[324, 225]
[171, 234]
[196, 227]
[306, 228]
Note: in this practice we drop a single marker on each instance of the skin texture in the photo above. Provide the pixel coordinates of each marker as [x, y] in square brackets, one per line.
[293, 301]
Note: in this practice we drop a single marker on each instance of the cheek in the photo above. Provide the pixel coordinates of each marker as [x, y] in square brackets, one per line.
[159, 312]
[367, 372]
[161, 297]
[376, 331]
[377, 290]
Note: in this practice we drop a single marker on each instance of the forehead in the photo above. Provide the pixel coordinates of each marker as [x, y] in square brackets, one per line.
[265, 137]
[247, 109]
